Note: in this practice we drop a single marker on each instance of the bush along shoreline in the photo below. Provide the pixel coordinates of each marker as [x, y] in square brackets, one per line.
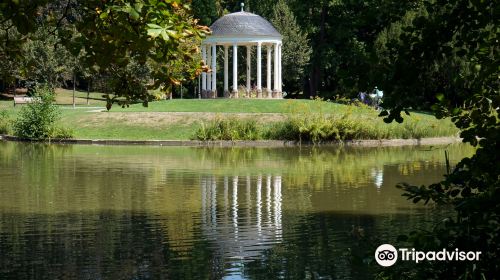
[316, 127]
[38, 120]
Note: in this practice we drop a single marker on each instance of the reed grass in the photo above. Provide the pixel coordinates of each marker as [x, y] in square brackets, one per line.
[310, 123]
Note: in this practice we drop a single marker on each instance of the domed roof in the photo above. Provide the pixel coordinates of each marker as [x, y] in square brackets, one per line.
[243, 24]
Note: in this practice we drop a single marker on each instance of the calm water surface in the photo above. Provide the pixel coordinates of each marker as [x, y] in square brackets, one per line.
[111, 212]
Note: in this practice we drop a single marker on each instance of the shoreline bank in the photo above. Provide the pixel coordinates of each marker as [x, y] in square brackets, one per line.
[244, 143]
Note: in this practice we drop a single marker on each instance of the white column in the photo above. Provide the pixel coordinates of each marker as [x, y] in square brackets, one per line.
[203, 74]
[235, 70]
[276, 62]
[259, 70]
[214, 71]
[280, 76]
[269, 88]
[226, 76]
[249, 70]
[209, 75]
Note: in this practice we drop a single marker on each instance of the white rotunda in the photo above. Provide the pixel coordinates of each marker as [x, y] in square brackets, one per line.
[248, 30]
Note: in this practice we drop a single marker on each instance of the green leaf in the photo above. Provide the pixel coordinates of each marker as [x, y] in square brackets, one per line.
[133, 13]
[154, 26]
[172, 33]
[164, 35]
[138, 7]
[154, 30]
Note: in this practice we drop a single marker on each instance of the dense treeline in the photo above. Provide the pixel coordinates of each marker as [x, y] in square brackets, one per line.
[335, 46]
[332, 48]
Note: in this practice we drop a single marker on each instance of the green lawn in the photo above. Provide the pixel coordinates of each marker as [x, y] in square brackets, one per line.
[65, 97]
[225, 106]
[179, 119]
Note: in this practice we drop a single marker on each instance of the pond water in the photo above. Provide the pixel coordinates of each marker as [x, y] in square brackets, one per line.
[127, 212]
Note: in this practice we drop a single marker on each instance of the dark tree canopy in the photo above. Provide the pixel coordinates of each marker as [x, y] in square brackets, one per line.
[205, 11]
[108, 35]
[450, 55]
[296, 47]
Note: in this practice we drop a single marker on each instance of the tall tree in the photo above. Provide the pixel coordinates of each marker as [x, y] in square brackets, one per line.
[205, 11]
[296, 47]
[46, 61]
[342, 34]
[467, 31]
[10, 55]
[263, 8]
[312, 16]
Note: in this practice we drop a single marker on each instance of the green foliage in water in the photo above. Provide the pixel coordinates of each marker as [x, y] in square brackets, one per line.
[37, 120]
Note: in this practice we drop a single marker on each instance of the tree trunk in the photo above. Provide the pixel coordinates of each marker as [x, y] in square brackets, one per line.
[88, 91]
[74, 88]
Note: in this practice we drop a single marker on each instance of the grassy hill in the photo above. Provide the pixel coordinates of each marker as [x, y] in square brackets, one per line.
[180, 119]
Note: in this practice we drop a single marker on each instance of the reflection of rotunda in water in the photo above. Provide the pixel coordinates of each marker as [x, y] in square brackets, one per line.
[242, 214]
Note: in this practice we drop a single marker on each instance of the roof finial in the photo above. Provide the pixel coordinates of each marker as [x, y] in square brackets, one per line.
[242, 6]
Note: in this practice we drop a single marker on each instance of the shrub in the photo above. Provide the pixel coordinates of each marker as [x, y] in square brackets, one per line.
[37, 119]
[360, 124]
[316, 128]
[5, 123]
[61, 133]
[308, 123]
[229, 129]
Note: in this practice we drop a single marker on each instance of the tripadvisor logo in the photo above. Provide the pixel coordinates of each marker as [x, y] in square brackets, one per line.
[387, 255]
